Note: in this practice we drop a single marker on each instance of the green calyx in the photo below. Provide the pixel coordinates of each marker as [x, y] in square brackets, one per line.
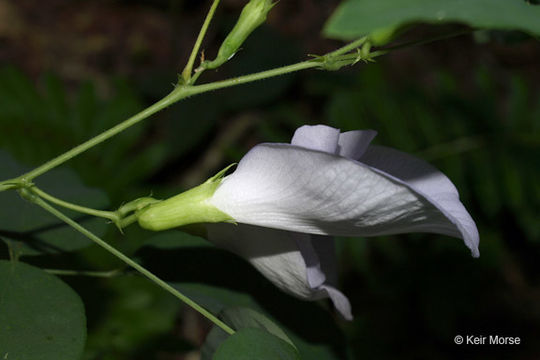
[186, 208]
[251, 17]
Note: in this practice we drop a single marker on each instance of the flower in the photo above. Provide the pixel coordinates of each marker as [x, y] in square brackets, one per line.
[287, 200]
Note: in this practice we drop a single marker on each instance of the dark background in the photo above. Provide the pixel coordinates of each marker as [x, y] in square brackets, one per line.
[470, 105]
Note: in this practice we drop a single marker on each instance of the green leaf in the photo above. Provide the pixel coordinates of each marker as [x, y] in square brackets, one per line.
[240, 318]
[355, 18]
[29, 230]
[41, 318]
[258, 344]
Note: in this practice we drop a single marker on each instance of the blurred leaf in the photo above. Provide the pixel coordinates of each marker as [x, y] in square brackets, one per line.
[190, 122]
[40, 316]
[40, 122]
[29, 230]
[250, 343]
[355, 18]
[265, 49]
[137, 315]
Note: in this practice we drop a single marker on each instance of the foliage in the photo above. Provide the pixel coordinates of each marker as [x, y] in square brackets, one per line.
[41, 317]
[355, 18]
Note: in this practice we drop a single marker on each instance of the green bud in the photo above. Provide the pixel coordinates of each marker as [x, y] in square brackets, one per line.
[382, 36]
[186, 208]
[251, 17]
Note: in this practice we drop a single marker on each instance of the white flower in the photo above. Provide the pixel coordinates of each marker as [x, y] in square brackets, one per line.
[285, 196]
[286, 200]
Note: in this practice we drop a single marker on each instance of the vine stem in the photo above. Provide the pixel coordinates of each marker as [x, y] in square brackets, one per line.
[186, 73]
[58, 214]
[349, 47]
[82, 209]
[198, 89]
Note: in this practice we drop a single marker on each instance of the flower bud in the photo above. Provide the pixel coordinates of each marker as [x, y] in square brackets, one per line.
[251, 17]
[186, 208]
[382, 36]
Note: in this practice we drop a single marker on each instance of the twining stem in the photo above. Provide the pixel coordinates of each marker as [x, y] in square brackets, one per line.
[114, 217]
[4, 185]
[177, 94]
[349, 47]
[198, 89]
[308, 64]
[186, 74]
[42, 203]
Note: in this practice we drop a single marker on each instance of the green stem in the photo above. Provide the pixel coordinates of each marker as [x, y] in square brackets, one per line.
[198, 89]
[82, 209]
[40, 202]
[186, 74]
[4, 185]
[313, 63]
[177, 94]
[101, 274]
[349, 47]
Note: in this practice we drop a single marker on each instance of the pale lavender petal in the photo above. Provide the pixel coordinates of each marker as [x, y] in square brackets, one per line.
[353, 144]
[317, 137]
[291, 188]
[432, 185]
[288, 259]
[319, 256]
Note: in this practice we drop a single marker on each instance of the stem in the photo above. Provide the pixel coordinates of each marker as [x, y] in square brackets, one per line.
[40, 202]
[186, 74]
[177, 94]
[313, 63]
[198, 89]
[349, 47]
[6, 186]
[102, 274]
[82, 209]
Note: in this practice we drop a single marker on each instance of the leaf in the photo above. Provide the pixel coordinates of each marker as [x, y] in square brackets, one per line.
[137, 313]
[252, 343]
[40, 316]
[240, 318]
[29, 230]
[247, 318]
[355, 18]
